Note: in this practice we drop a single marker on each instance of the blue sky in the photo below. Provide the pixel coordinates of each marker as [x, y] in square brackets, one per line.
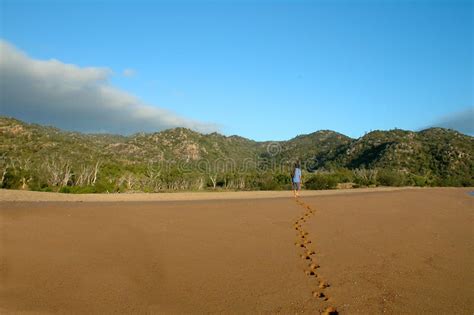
[266, 70]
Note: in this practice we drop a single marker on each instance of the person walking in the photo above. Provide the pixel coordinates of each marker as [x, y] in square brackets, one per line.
[296, 179]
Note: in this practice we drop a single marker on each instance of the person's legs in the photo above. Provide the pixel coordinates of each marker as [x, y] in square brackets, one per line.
[296, 189]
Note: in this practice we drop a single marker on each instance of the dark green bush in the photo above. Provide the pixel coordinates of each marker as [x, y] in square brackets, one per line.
[343, 175]
[11, 181]
[321, 181]
[390, 178]
[267, 181]
[418, 180]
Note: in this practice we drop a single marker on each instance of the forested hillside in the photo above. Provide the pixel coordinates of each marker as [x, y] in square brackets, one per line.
[36, 157]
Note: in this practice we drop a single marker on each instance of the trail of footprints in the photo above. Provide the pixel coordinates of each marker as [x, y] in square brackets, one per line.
[304, 242]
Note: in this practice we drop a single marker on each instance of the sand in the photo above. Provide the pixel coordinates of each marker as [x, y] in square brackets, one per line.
[19, 195]
[393, 251]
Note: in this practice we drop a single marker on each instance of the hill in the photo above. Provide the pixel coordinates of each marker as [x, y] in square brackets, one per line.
[46, 158]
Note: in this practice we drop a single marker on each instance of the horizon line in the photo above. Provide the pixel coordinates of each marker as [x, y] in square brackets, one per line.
[131, 135]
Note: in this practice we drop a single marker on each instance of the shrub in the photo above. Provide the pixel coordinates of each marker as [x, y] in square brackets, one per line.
[418, 180]
[390, 178]
[343, 175]
[268, 182]
[321, 181]
[365, 177]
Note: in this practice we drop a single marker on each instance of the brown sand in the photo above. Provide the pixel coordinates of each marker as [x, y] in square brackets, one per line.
[19, 195]
[398, 251]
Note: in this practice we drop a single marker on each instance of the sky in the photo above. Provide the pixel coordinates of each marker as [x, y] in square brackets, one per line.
[265, 70]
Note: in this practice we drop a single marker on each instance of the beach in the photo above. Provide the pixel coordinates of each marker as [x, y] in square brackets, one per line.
[393, 250]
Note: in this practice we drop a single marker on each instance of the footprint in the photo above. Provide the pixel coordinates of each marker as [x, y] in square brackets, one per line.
[320, 295]
[310, 273]
[330, 311]
[314, 266]
[323, 284]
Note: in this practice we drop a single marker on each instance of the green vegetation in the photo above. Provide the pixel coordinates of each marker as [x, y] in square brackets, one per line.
[42, 158]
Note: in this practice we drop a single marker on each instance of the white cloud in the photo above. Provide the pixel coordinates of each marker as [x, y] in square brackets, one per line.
[462, 121]
[76, 98]
[129, 72]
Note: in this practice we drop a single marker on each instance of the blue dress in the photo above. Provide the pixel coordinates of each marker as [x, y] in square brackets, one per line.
[297, 175]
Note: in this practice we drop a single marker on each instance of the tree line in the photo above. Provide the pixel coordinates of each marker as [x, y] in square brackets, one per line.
[57, 173]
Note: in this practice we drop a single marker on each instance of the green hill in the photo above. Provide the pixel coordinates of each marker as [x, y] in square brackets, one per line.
[45, 158]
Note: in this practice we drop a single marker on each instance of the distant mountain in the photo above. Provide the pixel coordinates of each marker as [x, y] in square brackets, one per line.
[440, 152]
[317, 148]
[46, 158]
